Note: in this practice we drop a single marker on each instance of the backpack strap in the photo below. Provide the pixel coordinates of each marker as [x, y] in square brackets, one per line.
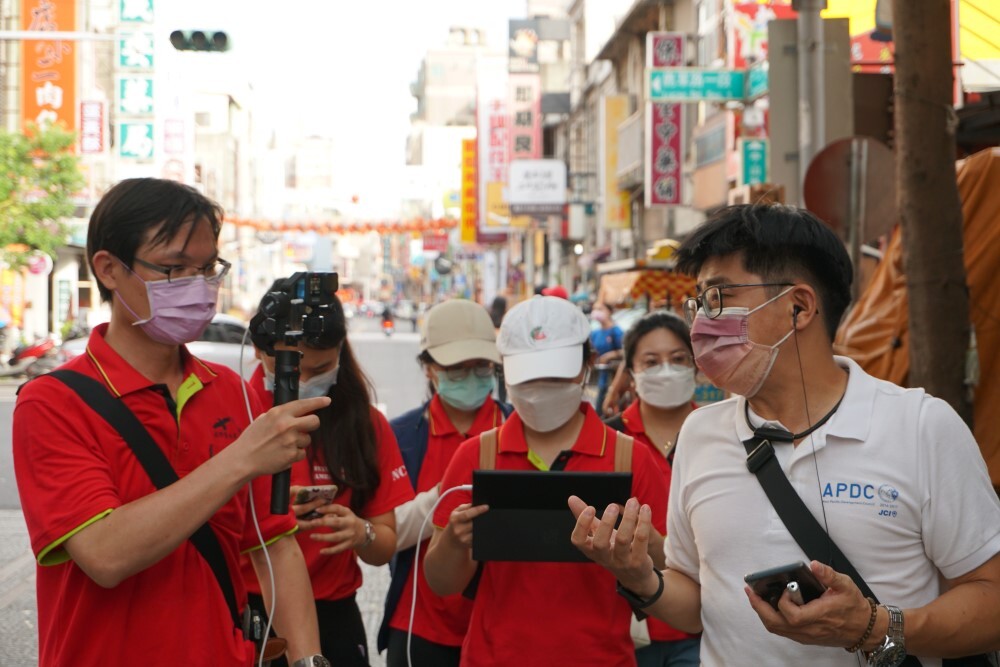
[488, 449]
[623, 452]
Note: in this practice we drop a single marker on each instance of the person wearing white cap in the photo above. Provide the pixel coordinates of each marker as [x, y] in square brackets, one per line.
[535, 613]
[459, 355]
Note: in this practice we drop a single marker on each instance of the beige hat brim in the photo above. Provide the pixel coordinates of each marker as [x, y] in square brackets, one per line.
[560, 362]
[458, 351]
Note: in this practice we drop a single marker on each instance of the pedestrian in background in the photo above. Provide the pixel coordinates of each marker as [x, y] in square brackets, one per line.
[353, 448]
[120, 580]
[459, 356]
[532, 613]
[659, 361]
[606, 341]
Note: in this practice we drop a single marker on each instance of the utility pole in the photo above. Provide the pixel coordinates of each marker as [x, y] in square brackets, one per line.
[812, 96]
[929, 206]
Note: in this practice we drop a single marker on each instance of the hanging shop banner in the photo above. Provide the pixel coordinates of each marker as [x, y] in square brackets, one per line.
[525, 104]
[537, 187]
[48, 75]
[92, 124]
[492, 126]
[614, 110]
[664, 158]
[469, 199]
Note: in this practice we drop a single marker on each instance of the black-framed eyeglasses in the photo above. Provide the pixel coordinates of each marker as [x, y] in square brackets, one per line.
[214, 270]
[710, 301]
[459, 373]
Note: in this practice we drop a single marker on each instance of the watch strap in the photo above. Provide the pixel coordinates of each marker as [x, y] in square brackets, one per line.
[639, 603]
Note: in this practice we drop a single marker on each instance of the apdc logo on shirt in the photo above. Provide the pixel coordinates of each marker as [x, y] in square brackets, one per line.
[883, 496]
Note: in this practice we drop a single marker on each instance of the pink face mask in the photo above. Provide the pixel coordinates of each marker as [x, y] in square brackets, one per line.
[179, 309]
[724, 352]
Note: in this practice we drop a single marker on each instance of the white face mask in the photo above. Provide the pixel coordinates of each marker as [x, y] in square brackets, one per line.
[314, 387]
[665, 386]
[546, 405]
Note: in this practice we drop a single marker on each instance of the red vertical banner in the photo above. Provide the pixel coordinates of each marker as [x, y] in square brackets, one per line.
[664, 127]
[48, 78]
[525, 105]
[664, 49]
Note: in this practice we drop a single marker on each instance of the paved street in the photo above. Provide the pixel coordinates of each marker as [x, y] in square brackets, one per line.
[389, 362]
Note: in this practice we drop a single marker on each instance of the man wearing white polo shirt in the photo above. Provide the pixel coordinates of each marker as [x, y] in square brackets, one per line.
[892, 475]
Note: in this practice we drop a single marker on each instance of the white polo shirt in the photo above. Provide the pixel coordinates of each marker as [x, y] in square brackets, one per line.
[904, 487]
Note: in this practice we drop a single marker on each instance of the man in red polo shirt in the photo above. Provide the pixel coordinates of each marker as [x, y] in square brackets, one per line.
[532, 613]
[119, 582]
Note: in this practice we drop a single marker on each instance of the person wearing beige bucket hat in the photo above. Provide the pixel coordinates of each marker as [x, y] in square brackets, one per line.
[459, 356]
[522, 610]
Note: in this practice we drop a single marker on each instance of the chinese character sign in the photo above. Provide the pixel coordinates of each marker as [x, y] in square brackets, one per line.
[614, 111]
[525, 116]
[48, 79]
[135, 11]
[470, 199]
[92, 127]
[664, 159]
[664, 49]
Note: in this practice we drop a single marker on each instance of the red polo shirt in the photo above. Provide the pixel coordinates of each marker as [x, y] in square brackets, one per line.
[339, 576]
[632, 418]
[551, 613]
[73, 469]
[442, 620]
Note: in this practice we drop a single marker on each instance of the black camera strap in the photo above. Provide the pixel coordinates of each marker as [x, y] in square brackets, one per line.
[156, 465]
[800, 522]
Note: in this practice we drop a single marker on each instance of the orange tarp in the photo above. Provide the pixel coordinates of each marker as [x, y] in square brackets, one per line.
[661, 285]
[875, 332]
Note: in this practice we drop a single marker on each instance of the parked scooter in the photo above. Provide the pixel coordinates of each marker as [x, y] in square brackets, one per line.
[387, 327]
[27, 359]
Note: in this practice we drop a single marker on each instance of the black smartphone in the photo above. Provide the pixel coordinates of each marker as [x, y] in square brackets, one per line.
[770, 584]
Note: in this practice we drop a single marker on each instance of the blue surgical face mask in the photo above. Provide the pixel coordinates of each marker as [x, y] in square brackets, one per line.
[314, 387]
[468, 394]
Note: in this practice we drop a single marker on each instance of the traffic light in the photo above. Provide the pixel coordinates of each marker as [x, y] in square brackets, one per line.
[199, 40]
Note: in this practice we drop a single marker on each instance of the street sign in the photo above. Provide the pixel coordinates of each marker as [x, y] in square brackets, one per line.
[694, 84]
[135, 11]
[757, 81]
[754, 154]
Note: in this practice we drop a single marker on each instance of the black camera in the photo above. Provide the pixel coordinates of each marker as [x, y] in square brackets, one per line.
[296, 310]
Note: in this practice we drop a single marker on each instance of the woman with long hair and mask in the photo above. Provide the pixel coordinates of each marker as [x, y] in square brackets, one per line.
[354, 449]
[659, 361]
[459, 356]
[522, 609]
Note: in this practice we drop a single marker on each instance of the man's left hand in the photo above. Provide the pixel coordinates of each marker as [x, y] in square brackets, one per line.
[837, 618]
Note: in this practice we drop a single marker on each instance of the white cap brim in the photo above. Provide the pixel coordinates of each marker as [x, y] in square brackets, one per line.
[561, 362]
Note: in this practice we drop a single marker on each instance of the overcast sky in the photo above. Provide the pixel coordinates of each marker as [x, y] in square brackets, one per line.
[342, 68]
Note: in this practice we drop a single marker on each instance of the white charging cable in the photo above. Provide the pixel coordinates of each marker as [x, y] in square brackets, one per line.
[416, 566]
[253, 511]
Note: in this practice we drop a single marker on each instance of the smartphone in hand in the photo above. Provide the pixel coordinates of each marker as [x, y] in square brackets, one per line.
[770, 584]
[309, 493]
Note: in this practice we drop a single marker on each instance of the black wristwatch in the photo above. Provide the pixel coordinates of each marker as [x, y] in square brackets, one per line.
[312, 661]
[638, 603]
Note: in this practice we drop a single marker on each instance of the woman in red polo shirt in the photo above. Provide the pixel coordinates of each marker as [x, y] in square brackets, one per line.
[660, 362]
[354, 449]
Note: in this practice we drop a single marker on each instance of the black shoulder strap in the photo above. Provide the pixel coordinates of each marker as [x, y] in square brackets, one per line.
[803, 526]
[801, 523]
[156, 465]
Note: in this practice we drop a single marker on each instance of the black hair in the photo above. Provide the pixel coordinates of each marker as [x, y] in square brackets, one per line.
[346, 435]
[425, 359]
[659, 319]
[133, 207]
[497, 310]
[778, 243]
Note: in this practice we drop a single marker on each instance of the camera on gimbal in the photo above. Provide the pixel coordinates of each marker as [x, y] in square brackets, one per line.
[295, 310]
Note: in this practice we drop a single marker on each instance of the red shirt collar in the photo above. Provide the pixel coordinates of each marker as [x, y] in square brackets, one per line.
[592, 439]
[632, 418]
[488, 416]
[121, 378]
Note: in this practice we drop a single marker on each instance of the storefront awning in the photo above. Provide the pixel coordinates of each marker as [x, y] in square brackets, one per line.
[662, 287]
